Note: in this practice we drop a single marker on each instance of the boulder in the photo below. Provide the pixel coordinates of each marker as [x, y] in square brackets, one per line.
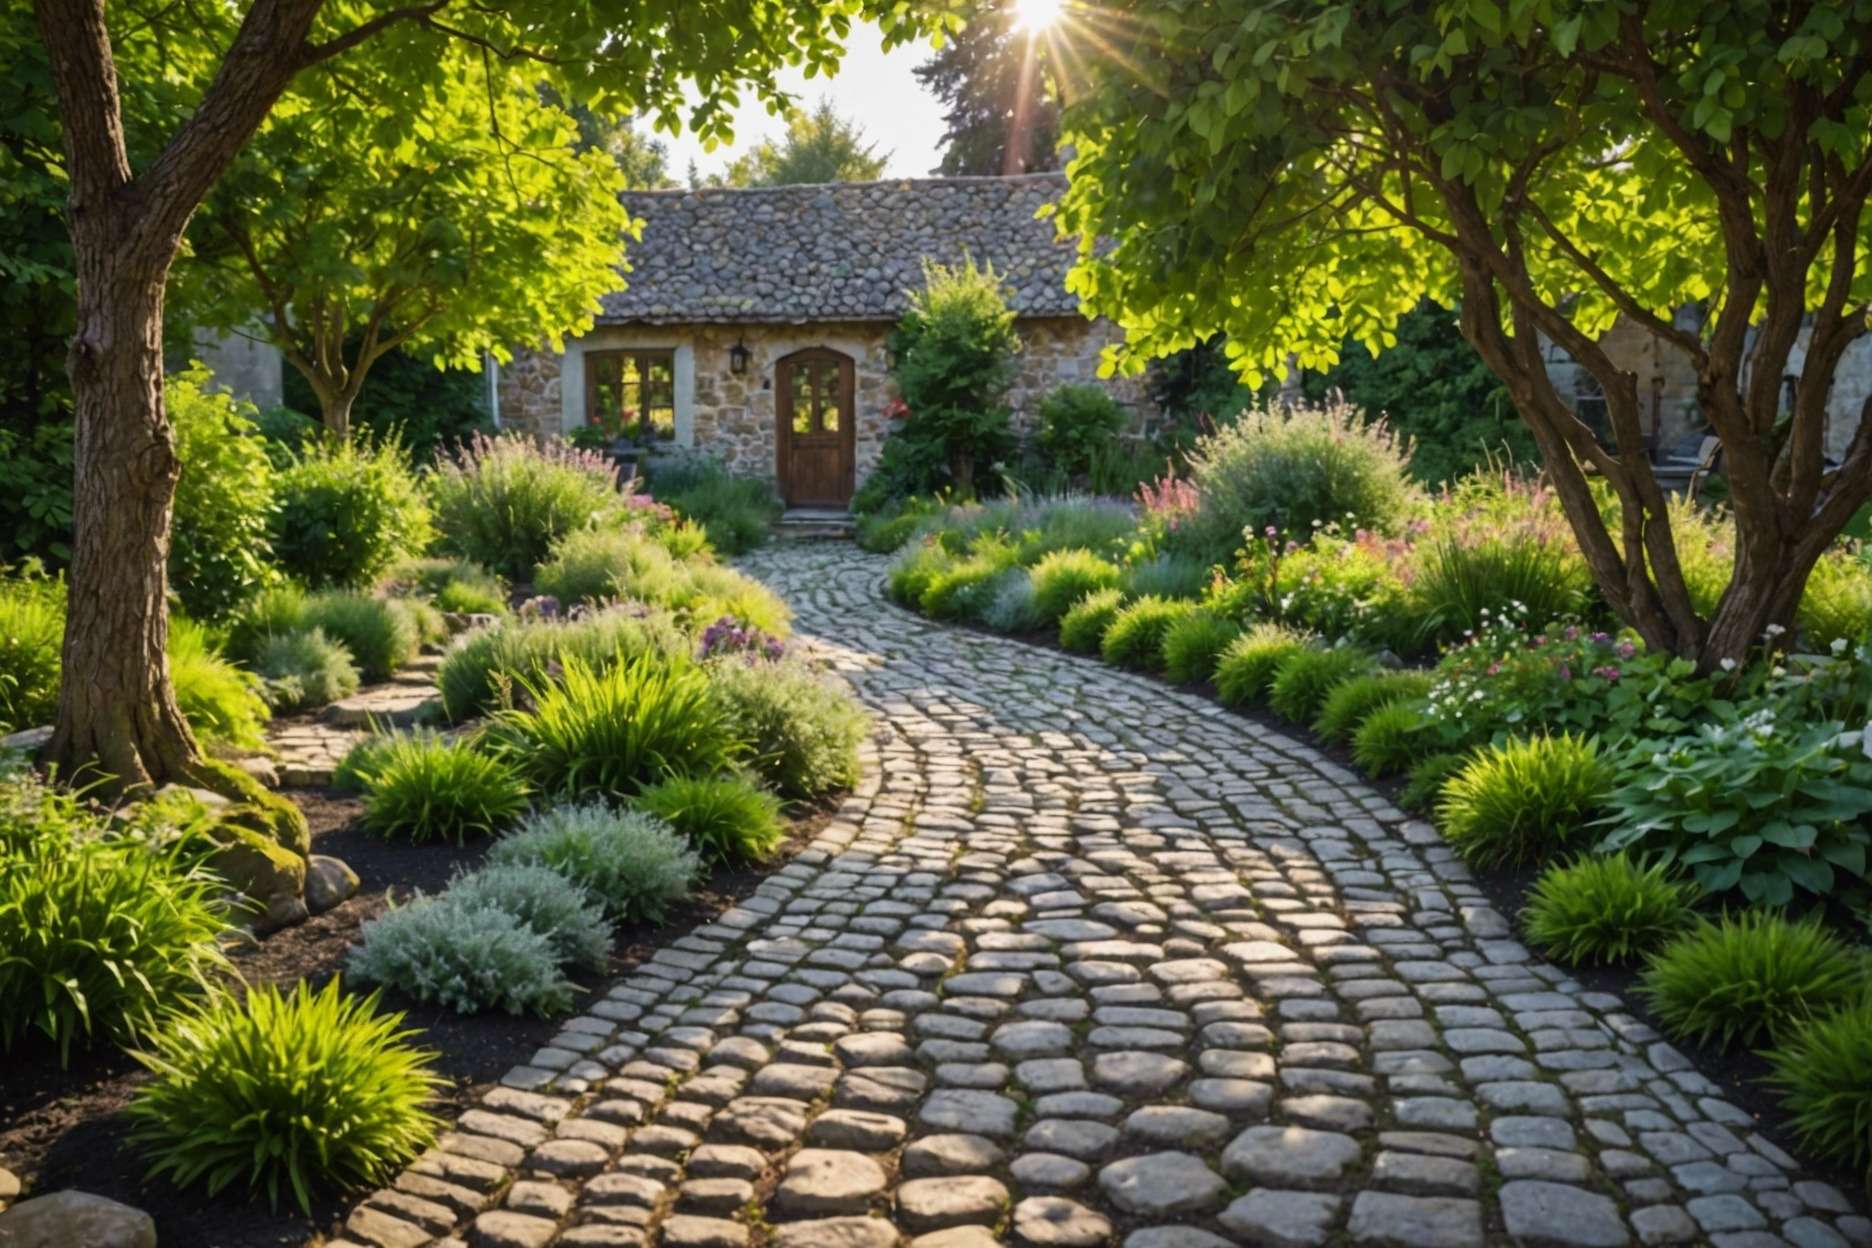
[26, 741]
[328, 882]
[65, 1219]
[272, 876]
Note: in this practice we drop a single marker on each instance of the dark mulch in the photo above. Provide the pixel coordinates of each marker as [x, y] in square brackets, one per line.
[66, 1129]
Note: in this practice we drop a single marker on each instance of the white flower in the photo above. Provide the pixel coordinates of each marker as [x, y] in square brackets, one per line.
[1773, 630]
[1839, 645]
[1728, 665]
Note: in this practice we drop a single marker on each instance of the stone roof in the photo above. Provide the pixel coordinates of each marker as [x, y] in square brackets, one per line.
[841, 251]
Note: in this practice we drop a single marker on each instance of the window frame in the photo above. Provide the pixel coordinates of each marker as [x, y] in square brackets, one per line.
[642, 428]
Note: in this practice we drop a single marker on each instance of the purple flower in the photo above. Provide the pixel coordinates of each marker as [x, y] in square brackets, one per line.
[729, 635]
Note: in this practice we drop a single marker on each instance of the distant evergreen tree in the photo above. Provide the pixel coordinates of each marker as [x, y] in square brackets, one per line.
[820, 146]
[977, 76]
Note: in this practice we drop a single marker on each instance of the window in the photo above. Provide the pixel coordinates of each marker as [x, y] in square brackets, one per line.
[632, 393]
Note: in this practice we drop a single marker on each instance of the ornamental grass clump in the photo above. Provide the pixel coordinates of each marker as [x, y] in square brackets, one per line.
[632, 862]
[1063, 577]
[32, 631]
[914, 570]
[503, 500]
[487, 668]
[1010, 606]
[1424, 781]
[597, 565]
[1082, 628]
[1387, 741]
[802, 730]
[612, 731]
[1523, 800]
[466, 958]
[1134, 638]
[1193, 645]
[1247, 666]
[97, 935]
[571, 920]
[305, 668]
[1303, 680]
[963, 590]
[1823, 1070]
[222, 703]
[425, 788]
[727, 818]
[1166, 576]
[1749, 977]
[284, 1092]
[382, 634]
[1601, 910]
[1350, 702]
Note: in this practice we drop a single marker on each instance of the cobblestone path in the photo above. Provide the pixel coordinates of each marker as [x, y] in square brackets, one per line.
[1087, 961]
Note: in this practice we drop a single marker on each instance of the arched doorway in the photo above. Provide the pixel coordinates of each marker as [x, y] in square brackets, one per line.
[816, 428]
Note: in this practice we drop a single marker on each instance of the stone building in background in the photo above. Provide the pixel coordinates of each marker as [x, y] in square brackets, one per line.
[753, 322]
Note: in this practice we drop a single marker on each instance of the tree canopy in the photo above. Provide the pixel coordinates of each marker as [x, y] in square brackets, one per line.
[1296, 174]
[820, 146]
[981, 76]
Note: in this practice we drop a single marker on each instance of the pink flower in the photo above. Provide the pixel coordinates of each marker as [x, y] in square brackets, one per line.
[1566, 672]
[1608, 672]
[1626, 650]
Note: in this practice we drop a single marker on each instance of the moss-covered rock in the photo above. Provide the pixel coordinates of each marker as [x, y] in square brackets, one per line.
[258, 807]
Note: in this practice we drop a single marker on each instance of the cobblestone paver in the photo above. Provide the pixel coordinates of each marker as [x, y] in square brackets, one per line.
[309, 748]
[1086, 961]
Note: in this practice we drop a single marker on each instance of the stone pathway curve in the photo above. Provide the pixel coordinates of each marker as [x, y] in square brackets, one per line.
[1087, 961]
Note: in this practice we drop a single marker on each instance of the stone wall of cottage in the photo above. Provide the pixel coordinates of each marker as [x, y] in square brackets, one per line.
[731, 415]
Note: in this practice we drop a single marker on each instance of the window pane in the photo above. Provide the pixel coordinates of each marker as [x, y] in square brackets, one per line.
[802, 398]
[829, 397]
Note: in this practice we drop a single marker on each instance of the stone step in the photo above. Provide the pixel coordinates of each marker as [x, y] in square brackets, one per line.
[397, 705]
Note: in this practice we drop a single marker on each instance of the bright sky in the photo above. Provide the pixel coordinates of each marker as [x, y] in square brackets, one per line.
[873, 87]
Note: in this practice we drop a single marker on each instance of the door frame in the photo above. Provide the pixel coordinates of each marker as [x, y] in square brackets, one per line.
[783, 418]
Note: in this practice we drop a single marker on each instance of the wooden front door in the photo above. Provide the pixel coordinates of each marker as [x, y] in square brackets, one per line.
[816, 432]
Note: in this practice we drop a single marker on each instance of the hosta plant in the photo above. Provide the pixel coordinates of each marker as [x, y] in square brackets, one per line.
[283, 1092]
[1751, 976]
[1605, 910]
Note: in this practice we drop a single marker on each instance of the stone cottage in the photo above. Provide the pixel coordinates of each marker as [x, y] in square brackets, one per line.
[753, 322]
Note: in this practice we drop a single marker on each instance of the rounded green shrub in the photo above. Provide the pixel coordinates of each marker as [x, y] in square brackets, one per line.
[709, 591]
[911, 572]
[727, 818]
[1349, 702]
[1823, 1069]
[1523, 800]
[305, 668]
[963, 590]
[1166, 575]
[1247, 666]
[1387, 741]
[802, 731]
[1303, 680]
[1010, 606]
[502, 501]
[1082, 628]
[633, 863]
[1063, 577]
[420, 788]
[570, 919]
[1135, 636]
[32, 633]
[369, 751]
[98, 936]
[347, 511]
[737, 513]
[290, 1091]
[1193, 645]
[1078, 422]
[613, 731]
[1606, 909]
[1836, 603]
[1423, 784]
[1748, 977]
[273, 612]
[596, 565]
[486, 668]
[467, 958]
[382, 634]
[222, 703]
[219, 548]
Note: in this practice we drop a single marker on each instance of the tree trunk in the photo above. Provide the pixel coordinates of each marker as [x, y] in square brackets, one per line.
[335, 411]
[117, 711]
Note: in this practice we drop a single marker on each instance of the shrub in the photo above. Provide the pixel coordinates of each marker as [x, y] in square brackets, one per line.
[1077, 423]
[295, 1090]
[485, 668]
[452, 584]
[1296, 468]
[963, 590]
[1836, 604]
[1062, 577]
[735, 512]
[725, 817]
[1134, 638]
[1749, 977]
[369, 751]
[305, 668]
[382, 634]
[570, 919]
[467, 958]
[1303, 679]
[1760, 805]
[222, 703]
[273, 612]
[38, 819]
[1193, 645]
[1010, 606]
[911, 573]
[1823, 1068]
[615, 730]
[709, 592]
[98, 936]
[1520, 801]
[634, 864]
[1166, 576]
[1387, 741]
[347, 510]
[1350, 701]
[502, 501]
[219, 549]
[1069, 523]
[1423, 785]
[1247, 666]
[802, 730]
[1605, 909]
[418, 788]
[886, 532]
[594, 565]
[32, 633]
[1082, 628]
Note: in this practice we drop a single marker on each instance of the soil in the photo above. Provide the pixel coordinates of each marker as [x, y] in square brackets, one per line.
[66, 1128]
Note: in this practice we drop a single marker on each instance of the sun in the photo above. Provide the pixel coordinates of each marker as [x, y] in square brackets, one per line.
[1037, 15]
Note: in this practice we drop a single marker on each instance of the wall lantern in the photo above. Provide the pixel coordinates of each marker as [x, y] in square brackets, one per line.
[738, 356]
